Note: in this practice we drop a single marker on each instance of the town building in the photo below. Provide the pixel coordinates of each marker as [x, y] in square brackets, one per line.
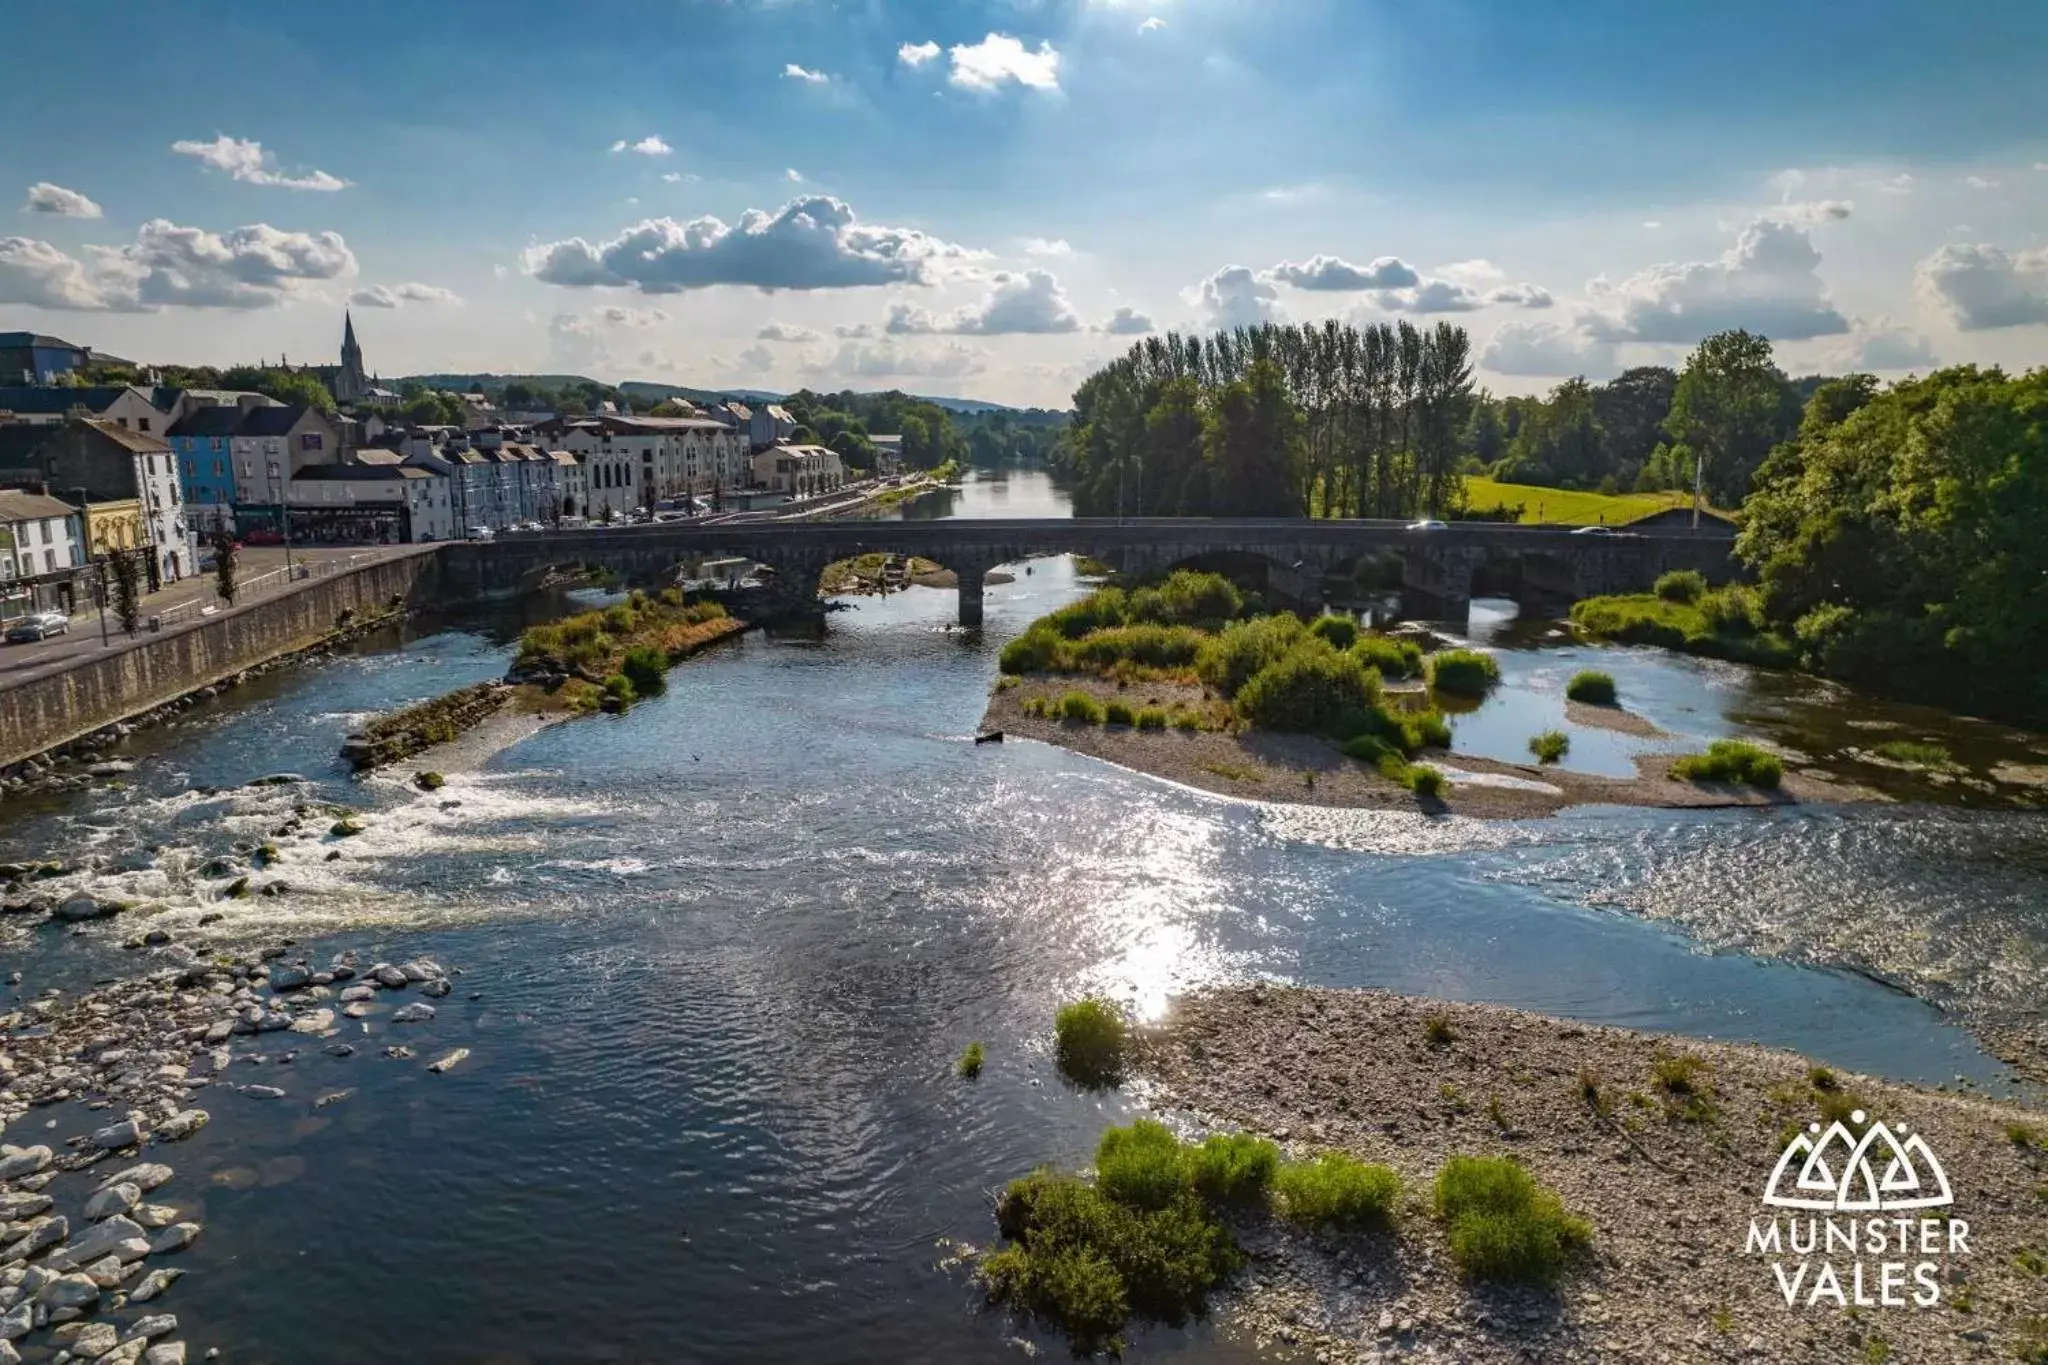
[888, 454]
[572, 490]
[638, 462]
[202, 445]
[31, 358]
[375, 503]
[771, 425]
[267, 447]
[38, 541]
[799, 471]
[51, 404]
[129, 487]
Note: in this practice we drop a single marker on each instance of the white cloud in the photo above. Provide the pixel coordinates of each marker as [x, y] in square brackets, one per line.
[759, 359]
[786, 331]
[677, 177]
[168, 266]
[1331, 273]
[43, 197]
[1523, 295]
[810, 243]
[1981, 287]
[1042, 246]
[1885, 347]
[1978, 182]
[889, 359]
[651, 145]
[633, 317]
[1028, 303]
[1433, 296]
[792, 71]
[1816, 211]
[986, 65]
[246, 160]
[1767, 282]
[1472, 272]
[1235, 297]
[1546, 349]
[1152, 25]
[1898, 184]
[1651, 224]
[397, 296]
[917, 54]
[1126, 322]
[860, 331]
[793, 176]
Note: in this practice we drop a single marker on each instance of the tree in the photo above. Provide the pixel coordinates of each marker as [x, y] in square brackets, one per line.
[127, 588]
[224, 565]
[669, 407]
[1631, 409]
[1731, 405]
[1252, 435]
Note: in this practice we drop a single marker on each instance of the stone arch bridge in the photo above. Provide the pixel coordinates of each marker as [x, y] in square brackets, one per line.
[1438, 567]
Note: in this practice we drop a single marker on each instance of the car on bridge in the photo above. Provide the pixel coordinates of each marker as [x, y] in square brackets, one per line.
[1427, 524]
[1607, 531]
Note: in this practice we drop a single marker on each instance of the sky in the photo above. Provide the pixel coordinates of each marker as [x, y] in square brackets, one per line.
[990, 198]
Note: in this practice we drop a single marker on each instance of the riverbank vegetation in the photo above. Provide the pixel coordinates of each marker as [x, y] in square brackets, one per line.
[1723, 623]
[1732, 761]
[1089, 1040]
[1594, 688]
[611, 656]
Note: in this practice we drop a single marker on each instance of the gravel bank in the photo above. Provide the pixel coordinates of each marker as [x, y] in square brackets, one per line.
[1671, 1199]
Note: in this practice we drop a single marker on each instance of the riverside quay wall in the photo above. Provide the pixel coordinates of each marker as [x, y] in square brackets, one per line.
[132, 676]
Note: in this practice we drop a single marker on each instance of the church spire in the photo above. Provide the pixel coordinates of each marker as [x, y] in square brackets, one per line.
[348, 333]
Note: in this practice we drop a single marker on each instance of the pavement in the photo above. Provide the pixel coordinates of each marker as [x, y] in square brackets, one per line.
[181, 602]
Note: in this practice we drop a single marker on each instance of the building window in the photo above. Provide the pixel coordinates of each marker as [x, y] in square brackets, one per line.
[142, 423]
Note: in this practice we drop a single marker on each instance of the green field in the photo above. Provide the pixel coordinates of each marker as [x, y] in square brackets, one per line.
[1564, 505]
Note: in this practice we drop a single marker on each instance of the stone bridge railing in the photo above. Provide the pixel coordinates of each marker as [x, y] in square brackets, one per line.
[1438, 566]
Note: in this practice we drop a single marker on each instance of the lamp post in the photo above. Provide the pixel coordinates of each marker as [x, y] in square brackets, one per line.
[284, 515]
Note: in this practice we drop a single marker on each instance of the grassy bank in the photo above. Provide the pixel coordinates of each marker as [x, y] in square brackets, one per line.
[1233, 671]
[608, 658]
[1568, 506]
[1721, 623]
[863, 573]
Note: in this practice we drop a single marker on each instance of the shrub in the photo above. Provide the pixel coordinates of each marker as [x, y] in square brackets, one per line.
[619, 618]
[1148, 645]
[1309, 689]
[1681, 585]
[1086, 1262]
[1232, 1167]
[1549, 746]
[1688, 1095]
[1143, 1165]
[426, 782]
[1463, 672]
[1117, 711]
[647, 669]
[1207, 600]
[1151, 718]
[1503, 1225]
[619, 688]
[1734, 610]
[1340, 631]
[1426, 781]
[1187, 720]
[1437, 1029]
[969, 1065]
[1031, 652]
[1088, 1041]
[1733, 761]
[1229, 660]
[1081, 708]
[1592, 687]
[1393, 658]
[1101, 608]
[1337, 1191]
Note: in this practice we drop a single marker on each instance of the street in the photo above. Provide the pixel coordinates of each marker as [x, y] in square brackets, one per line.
[259, 571]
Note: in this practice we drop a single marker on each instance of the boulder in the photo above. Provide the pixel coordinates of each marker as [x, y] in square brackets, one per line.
[176, 1237]
[17, 1321]
[95, 1339]
[418, 1012]
[73, 1290]
[153, 1216]
[154, 1283]
[314, 1021]
[126, 1133]
[144, 1175]
[43, 1232]
[16, 1162]
[110, 1236]
[84, 907]
[112, 1200]
[289, 978]
[182, 1124]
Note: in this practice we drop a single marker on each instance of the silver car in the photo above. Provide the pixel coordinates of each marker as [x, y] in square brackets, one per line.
[41, 626]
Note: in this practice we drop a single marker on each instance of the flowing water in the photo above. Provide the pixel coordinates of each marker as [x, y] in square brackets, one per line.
[720, 952]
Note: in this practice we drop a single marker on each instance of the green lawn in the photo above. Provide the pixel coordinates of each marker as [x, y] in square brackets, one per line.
[1564, 505]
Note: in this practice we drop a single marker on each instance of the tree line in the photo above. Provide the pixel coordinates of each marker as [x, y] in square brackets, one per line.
[1325, 419]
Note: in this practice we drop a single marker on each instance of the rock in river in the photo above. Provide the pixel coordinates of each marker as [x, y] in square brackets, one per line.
[70, 1291]
[314, 1021]
[176, 1237]
[289, 978]
[165, 1353]
[153, 1284]
[95, 1339]
[418, 1012]
[449, 1062]
[126, 1133]
[182, 1124]
[20, 1161]
[114, 1199]
[155, 1325]
[144, 1175]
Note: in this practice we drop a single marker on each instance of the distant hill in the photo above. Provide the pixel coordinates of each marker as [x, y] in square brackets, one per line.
[641, 388]
[492, 383]
[649, 391]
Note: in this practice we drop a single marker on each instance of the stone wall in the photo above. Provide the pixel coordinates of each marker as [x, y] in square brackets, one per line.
[132, 677]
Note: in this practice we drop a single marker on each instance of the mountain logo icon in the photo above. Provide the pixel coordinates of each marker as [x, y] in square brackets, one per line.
[1837, 1172]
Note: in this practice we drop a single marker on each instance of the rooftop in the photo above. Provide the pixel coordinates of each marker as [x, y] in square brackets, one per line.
[19, 506]
[142, 443]
[48, 398]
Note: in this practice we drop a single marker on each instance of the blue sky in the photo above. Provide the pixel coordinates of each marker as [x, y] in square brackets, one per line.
[991, 198]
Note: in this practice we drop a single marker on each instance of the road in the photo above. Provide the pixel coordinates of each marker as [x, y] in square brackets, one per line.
[260, 570]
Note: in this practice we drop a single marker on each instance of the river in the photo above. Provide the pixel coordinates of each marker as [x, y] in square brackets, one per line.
[720, 952]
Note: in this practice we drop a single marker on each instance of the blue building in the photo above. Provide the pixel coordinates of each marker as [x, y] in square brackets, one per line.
[200, 444]
[31, 358]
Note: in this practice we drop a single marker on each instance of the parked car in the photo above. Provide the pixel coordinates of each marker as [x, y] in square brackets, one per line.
[40, 626]
[1426, 524]
[479, 533]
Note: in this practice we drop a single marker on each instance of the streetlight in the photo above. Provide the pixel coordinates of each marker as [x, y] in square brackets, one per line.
[284, 516]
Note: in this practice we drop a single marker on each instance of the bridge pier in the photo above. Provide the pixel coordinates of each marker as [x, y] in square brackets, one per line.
[973, 578]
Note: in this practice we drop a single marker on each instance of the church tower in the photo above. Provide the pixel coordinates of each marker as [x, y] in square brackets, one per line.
[350, 383]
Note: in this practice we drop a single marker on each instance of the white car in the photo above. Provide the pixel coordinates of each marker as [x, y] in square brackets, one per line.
[1426, 524]
[480, 533]
[1593, 531]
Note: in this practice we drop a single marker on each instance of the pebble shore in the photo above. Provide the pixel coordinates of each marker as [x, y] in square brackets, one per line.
[1410, 1082]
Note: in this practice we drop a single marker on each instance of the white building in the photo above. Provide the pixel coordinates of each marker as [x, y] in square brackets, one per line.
[799, 471]
[572, 486]
[635, 462]
[38, 535]
[772, 425]
[373, 503]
